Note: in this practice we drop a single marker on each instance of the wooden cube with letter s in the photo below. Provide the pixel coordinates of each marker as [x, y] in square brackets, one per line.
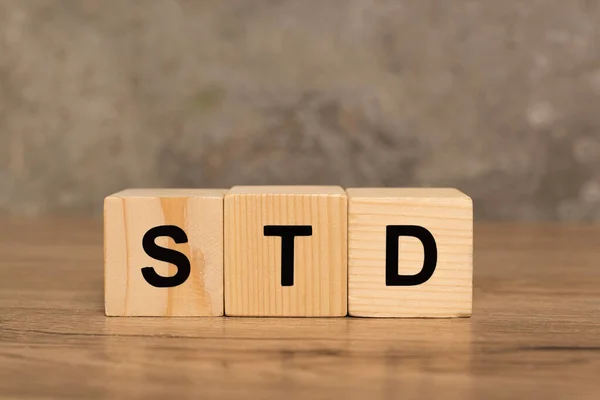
[410, 253]
[163, 252]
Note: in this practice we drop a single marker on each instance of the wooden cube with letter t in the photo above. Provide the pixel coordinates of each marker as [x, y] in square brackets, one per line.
[410, 253]
[286, 251]
[163, 252]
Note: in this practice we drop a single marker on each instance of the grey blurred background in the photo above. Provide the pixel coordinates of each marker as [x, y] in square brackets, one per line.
[498, 98]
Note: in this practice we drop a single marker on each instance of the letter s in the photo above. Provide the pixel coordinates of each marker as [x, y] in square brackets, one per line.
[166, 255]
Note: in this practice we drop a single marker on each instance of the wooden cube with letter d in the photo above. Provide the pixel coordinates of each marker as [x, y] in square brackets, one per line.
[286, 251]
[410, 253]
[163, 252]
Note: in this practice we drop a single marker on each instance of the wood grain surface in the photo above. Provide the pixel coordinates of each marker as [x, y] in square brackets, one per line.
[535, 331]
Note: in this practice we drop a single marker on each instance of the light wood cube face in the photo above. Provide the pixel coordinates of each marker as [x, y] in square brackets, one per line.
[258, 281]
[378, 220]
[163, 252]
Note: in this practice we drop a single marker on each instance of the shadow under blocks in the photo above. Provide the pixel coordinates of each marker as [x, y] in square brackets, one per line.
[289, 251]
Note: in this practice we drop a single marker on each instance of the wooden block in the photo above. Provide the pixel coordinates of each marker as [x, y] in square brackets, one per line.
[381, 219]
[176, 234]
[259, 280]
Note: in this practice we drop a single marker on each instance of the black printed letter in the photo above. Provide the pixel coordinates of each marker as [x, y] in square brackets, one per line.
[287, 234]
[393, 232]
[166, 255]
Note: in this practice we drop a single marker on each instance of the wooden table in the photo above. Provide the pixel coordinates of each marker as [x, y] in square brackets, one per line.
[535, 332]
